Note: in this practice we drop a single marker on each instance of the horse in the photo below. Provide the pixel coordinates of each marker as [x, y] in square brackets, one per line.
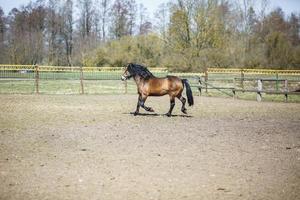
[149, 85]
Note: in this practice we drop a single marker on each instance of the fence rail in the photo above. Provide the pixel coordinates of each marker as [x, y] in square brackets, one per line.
[262, 86]
[63, 73]
[253, 71]
[45, 68]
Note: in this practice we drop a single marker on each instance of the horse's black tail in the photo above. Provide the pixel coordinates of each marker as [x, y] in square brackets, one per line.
[189, 92]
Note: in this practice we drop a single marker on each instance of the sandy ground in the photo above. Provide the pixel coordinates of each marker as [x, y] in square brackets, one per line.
[90, 147]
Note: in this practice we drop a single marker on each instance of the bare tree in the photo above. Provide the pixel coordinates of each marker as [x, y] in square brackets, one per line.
[105, 8]
[2, 25]
[162, 18]
[294, 29]
[119, 23]
[67, 30]
[53, 26]
[144, 24]
[132, 10]
[86, 13]
[2, 36]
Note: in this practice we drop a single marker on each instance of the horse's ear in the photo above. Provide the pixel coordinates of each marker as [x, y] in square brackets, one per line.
[125, 66]
[130, 65]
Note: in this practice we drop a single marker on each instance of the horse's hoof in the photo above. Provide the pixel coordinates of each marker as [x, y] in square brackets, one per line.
[168, 114]
[184, 111]
[135, 113]
[151, 110]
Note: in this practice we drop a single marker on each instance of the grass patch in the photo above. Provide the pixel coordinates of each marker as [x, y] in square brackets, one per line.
[17, 86]
[73, 86]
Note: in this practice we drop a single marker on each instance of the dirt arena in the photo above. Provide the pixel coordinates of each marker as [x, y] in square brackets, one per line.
[91, 147]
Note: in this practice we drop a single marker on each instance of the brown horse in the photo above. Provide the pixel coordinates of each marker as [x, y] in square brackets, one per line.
[149, 85]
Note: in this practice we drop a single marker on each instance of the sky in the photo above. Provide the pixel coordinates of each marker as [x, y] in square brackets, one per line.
[288, 6]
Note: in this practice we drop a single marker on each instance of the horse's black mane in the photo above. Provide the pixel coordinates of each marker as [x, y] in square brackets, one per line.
[135, 69]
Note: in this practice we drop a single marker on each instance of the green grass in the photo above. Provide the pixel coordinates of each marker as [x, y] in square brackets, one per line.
[89, 86]
[17, 86]
[66, 87]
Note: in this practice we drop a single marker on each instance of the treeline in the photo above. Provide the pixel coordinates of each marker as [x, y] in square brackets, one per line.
[186, 35]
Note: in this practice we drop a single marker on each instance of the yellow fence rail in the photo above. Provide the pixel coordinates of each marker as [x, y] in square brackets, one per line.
[44, 68]
[253, 71]
[187, 74]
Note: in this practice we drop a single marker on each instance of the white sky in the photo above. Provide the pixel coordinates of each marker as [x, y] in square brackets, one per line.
[288, 6]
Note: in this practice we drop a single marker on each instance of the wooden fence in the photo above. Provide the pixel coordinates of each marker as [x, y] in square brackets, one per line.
[253, 71]
[201, 81]
[261, 77]
[201, 84]
[82, 74]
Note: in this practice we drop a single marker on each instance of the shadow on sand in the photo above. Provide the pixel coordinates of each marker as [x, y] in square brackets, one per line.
[155, 114]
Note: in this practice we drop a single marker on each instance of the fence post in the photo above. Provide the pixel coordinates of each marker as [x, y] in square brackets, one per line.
[125, 85]
[277, 82]
[233, 90]
[206, 79]
[259, 90]
[199, 87]
[286, 89]
[242, 78]
[37, 77]
[81, 80]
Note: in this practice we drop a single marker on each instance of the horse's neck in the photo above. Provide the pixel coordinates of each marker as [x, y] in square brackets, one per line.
[138, 80]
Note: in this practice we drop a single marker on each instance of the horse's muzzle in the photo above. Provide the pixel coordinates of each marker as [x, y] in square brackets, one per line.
[123, 78]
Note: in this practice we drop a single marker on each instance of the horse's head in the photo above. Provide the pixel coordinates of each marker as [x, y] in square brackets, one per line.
[128, 73]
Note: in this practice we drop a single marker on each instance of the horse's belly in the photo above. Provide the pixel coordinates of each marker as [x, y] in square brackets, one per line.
[158, 93]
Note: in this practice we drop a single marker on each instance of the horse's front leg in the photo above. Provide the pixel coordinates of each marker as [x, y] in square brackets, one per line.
[149, 109]
[142, 104]
[138, 106]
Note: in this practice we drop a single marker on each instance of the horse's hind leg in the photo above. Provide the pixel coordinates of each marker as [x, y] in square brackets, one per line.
[183, 101]
[172, 104]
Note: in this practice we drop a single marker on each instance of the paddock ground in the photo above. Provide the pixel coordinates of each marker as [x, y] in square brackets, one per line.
[91, 147]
